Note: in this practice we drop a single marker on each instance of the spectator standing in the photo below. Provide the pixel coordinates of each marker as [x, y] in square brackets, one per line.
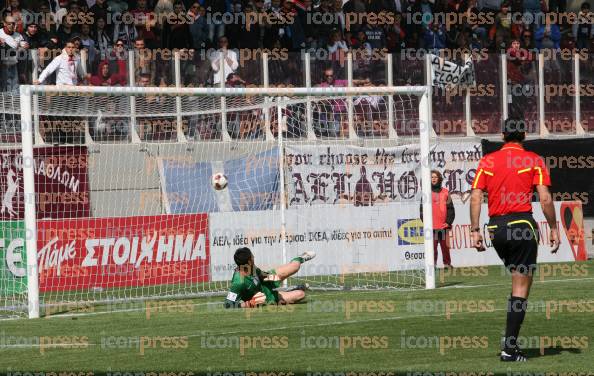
[443, 217]
[503, 27]
[124, 31]
[67, 66]
[22, 17]
[102, 38]
[583, 30]
[14, 45]
[229, 59]
[435, 37]
[198, 28]
[145, 22]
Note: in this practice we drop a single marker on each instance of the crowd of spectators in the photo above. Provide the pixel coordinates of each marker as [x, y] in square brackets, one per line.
[213, 30]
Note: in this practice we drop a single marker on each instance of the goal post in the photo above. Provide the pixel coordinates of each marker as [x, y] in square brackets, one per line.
[289, 107]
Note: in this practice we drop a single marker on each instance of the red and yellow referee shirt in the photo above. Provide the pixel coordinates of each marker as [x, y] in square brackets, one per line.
[509, 176]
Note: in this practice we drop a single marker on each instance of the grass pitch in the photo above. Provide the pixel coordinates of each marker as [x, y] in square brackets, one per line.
[454, 328]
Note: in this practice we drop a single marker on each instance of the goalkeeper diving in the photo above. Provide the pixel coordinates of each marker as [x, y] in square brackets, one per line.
[251, 286]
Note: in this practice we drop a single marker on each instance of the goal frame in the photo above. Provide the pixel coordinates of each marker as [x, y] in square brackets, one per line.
[27, 131]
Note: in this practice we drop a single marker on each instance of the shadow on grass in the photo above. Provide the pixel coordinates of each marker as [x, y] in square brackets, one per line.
[538, 352]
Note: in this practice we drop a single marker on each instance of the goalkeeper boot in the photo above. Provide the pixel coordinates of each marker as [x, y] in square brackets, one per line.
[514, 355]
[308, 255]
[302, 287]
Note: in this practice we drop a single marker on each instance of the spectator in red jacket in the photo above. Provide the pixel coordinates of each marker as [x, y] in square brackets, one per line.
[443, 217]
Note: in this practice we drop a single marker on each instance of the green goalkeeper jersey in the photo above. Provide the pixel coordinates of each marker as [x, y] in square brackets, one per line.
[243, 288]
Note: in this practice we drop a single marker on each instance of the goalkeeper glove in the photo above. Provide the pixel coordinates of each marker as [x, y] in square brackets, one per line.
[256, 300]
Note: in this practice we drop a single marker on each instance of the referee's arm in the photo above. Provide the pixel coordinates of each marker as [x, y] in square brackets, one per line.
[476, 199]
[548, 209]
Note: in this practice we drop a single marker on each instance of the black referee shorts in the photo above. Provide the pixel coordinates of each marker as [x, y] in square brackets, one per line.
[515, 238]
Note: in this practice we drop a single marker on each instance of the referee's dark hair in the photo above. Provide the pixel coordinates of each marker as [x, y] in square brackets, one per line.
[514, 130]
[242, 256]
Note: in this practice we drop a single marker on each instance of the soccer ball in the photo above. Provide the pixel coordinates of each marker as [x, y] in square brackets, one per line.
[219, 181]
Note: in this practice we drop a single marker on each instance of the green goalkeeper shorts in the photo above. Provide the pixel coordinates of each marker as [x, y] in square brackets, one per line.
[269, 289]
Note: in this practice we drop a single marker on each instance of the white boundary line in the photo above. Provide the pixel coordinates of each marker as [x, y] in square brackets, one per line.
[140, 309]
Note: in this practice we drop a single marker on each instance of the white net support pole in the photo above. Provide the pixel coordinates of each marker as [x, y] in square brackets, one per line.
[543, 131]
[267, 109]
[132, 82]
[178, 100]
[425, 128]
[350, 109]
[579, 129]
[35, 76]
[221, 73]
[504, 92]
[282, 188]
[467, 108]
[390, 80]
[29, 194]
[308, 110]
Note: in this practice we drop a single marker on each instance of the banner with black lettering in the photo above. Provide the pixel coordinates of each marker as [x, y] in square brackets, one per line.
[447, 73]
[364, 176]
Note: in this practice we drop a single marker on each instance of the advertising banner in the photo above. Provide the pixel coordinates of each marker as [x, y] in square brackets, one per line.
[13, 262]
[569, 223]
[385, 237]
[61, 183]
[131, 251]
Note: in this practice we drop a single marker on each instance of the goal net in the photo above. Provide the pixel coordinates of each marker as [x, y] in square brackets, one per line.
[125, 208]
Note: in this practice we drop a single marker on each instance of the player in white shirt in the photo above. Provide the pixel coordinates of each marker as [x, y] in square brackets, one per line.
[230, 61]
[67, 66]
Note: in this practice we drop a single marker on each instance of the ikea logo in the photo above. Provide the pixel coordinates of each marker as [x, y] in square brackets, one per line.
[410, 231]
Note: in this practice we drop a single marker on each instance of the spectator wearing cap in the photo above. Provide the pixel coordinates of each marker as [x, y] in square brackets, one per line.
[34, 37]
[13, 43]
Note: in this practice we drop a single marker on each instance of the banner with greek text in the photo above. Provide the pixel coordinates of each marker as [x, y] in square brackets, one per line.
[364, 176]
[446, 74]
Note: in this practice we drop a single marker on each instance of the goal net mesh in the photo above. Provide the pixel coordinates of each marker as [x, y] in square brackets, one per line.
[126, 209]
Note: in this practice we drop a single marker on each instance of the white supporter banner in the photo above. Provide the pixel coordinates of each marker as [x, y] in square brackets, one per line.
[447, 74]
[343, 174]
[350, 239]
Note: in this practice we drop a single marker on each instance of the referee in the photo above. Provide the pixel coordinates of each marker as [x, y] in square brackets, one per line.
[508, 176]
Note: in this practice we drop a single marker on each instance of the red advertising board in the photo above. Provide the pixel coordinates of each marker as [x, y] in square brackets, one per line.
[79, 254]
[61, 182]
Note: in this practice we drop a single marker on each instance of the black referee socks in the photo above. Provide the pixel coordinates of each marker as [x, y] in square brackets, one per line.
[516, 310]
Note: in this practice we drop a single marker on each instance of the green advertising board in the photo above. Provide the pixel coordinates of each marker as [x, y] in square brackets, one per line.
[13, 263]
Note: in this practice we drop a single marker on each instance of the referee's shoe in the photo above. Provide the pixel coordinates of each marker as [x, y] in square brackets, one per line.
[515, 356]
